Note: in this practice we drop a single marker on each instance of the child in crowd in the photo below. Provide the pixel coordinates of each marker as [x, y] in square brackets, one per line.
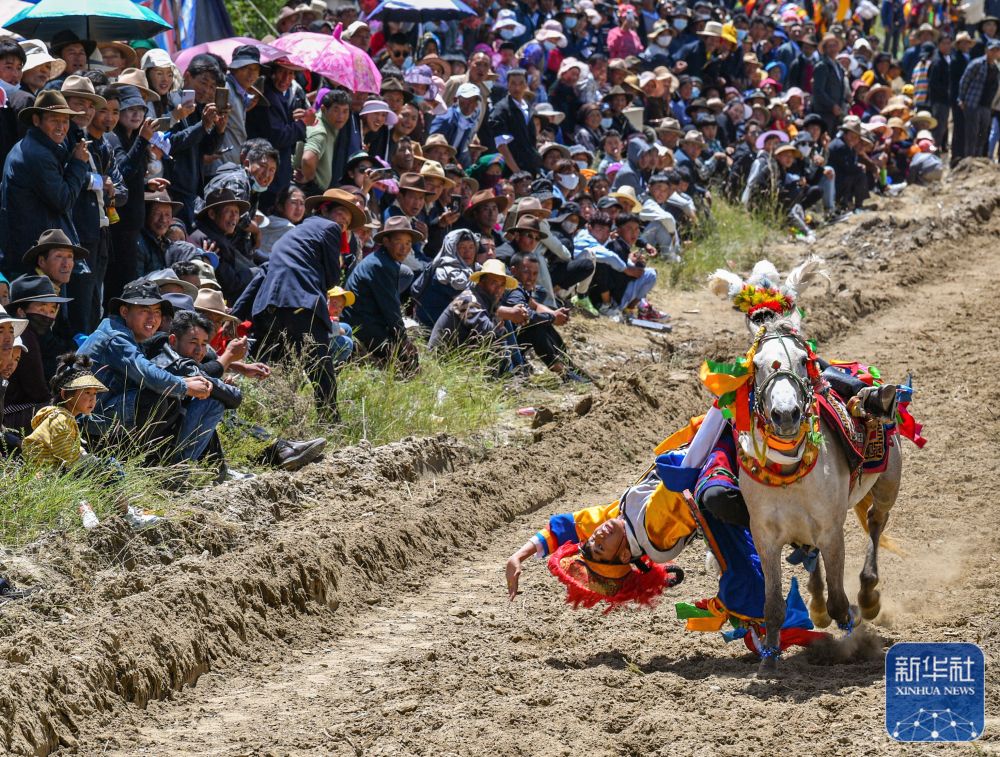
[342, 340]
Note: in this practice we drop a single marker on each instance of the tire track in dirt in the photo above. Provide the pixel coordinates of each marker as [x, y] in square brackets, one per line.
[449, 667]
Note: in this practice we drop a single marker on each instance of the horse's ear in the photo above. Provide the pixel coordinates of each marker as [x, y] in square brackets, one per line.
[804, 274]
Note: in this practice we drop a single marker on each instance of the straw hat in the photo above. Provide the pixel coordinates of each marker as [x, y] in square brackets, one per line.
[788, 148]
[627, 195]
[212, 301]
[130, 55]
[924, 117]
[494, 267]
[712, 29]
[348, 295]
[545, 110]
[136, 77]
[431, 169]
[342, 199]
[85, 380]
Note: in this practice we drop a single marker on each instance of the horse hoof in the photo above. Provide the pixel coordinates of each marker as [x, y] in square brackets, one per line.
[872, 607]
[820, 619]
[768, 668]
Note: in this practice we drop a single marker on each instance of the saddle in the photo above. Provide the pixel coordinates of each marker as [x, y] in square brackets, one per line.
[866, 442]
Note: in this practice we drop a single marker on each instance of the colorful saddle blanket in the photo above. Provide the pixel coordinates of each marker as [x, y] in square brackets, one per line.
[865, 444]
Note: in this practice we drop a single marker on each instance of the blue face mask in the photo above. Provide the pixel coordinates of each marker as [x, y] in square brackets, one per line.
[605, 123]
[408, 63]
[258, 187]
[506, 34]
[417, 99]
[680, 24]
[569, 22]
[550, 46]
[741, 34]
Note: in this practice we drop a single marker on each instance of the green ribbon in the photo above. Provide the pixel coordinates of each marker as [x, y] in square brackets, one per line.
[686, 610]
[739, 368]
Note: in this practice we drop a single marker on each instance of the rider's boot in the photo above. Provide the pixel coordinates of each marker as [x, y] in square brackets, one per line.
[875, 402]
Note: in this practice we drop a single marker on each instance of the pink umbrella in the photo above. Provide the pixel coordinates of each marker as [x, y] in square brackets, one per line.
[327, 56]
[224, 49]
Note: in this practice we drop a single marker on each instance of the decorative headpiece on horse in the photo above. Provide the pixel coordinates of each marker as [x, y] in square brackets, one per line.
[763, 296]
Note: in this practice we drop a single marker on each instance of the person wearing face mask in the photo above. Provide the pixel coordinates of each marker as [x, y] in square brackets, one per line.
[657, 52]
[34, 299]
[680, 20]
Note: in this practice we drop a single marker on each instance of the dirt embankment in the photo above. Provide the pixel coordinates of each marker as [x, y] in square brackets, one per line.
[253, 570]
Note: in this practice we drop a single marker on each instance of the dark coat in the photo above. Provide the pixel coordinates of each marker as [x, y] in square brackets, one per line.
[564, 98]
[41, 182]
[958, 65]
[276, 125]
[87, 211]
[376, 315]
[132, 157]
[939, 80]
[189, 142]
[828, 87]
[236, 264]
[507, 118]
[303, 265]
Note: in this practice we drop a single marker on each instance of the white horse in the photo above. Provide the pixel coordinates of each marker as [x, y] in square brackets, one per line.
[810, 507]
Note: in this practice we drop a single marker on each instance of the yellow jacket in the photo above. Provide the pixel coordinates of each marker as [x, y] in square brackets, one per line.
[55, 439]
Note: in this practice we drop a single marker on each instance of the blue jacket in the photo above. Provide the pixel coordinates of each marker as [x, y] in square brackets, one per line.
[41, 182]
[121, 365]
[304, 264]
[376, 315]
[447, 124]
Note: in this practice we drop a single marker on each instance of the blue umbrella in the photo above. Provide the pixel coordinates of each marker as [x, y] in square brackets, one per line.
[421, 10]
[88, 19]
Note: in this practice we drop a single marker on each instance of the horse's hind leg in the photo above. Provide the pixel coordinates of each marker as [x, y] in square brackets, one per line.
[817, 598]
[883, 496]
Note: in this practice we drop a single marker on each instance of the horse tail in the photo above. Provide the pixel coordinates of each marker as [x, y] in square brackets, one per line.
[884, 540]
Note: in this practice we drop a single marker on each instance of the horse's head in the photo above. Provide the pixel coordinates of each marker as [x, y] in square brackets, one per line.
[782, 387]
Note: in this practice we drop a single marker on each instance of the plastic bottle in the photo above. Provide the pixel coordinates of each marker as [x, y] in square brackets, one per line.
[88, 515]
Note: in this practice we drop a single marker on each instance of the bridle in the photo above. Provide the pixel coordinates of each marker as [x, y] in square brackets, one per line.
[804, 388]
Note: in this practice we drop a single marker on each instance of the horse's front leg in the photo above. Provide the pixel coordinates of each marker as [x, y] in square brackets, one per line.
[837, 604]
[774, 602]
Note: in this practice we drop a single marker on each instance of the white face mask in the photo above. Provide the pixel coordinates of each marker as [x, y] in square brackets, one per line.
[664, 40]
[569, 180]
[506, 33]
[570, 227]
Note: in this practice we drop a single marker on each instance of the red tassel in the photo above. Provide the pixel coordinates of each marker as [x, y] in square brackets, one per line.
[584, 588]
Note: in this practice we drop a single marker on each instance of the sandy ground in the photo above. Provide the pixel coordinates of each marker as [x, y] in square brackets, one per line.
[357, 608]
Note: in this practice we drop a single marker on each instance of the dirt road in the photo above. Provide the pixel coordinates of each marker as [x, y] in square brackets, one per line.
[358, 608]
[450, 667]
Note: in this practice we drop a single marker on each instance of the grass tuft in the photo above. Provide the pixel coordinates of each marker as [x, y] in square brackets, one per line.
[732, 239]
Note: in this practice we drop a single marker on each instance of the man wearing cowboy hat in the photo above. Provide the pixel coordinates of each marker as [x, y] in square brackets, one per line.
[471, 317]
[291, 301]
[37, 301]
[153, 241]
[699, 52]
[41, 179]
[411, 203]
[537, 330]
[217, 226]
[850, 176]
[828, 90]
[458, 125]
[513, 128]
[482, 214]
[115, 348]
[377, 316]
[73, 50]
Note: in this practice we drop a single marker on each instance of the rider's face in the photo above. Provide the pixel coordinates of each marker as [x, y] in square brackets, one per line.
[608, 542]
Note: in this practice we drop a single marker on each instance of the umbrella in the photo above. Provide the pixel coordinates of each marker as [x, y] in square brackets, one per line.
[10, 8]
[88, 19]
[224, 49]
[421, 10]
[343, 64]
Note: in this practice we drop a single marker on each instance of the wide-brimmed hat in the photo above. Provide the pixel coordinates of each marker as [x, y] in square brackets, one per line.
[781, 135]
[412, 182]
[81, 86]
[876, 88]
[347, 294]
[529, 223]
[431, 169]
[130, 55]
[18, 324]
[127, 96]
[68, 37]
[162, 198]
[52, 239]
[342, 199]
[83, 379]
[220, 197]
[212, 301]
[616, 90]
[788, 148]
[626, 195]
[529, 205]
[852, 125]
[32, 288]
[963, 37]
[551, 31]
[924, 117]
[136, 77]
[507, 19]
[694, 137]
[438, 140]
[561, 149]
[167, 277]
[545, 110]
[38, 55]
[494, 267]
[832, 38]
[711, 29]
[141, 292]
[482, 198]
[48, 101]
[437, 64]
[398, 225]
[379, 106]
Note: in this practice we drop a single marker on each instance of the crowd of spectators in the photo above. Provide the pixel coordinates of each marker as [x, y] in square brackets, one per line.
[164, 230]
